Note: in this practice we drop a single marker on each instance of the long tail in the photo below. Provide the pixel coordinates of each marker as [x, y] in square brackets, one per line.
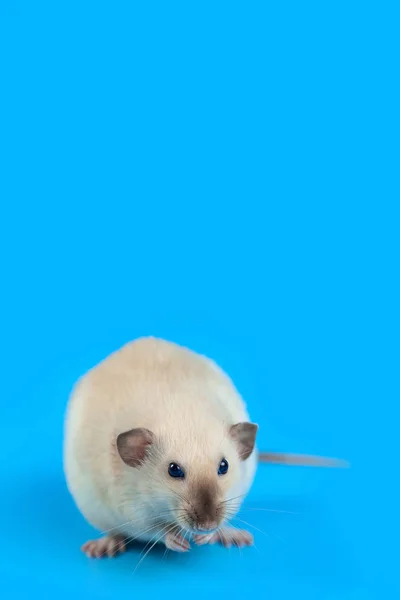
[303, 460]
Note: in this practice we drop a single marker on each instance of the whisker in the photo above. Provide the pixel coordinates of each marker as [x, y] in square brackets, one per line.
[250, 525]
[130, 539]
[275, 510]
[136, 508]
[164, 556]
[234, 517]
[106, 531]
[234, 541]
[254, 546]
[171, 490]
[159, 526]
[186, 534]
[152, 546]
[234, 498]
[151, 539]
[231, 513]
[133, 521]
[221, 533]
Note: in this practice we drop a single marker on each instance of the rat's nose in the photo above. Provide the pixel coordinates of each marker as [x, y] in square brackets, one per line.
[205, 513]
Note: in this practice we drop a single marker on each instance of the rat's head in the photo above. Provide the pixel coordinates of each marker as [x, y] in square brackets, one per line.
[192, 478]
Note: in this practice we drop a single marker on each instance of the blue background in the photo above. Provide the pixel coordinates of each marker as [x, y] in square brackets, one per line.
[223, 175]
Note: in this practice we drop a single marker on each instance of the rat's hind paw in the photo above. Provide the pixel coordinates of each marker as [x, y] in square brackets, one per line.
[176, 542]
[105, 546]
[227, 536]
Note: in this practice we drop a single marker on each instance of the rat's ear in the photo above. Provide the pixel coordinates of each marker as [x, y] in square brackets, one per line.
[244, 434]
[133, 445]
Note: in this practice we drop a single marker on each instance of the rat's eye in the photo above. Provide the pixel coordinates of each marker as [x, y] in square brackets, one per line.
[175, 471]
[223, 467]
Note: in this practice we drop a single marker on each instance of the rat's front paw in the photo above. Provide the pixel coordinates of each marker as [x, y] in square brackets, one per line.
[227, 536]
[105, 546]
[176, 542]
[205, 538]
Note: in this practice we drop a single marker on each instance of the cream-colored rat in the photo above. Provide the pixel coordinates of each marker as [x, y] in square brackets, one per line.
[159, 446]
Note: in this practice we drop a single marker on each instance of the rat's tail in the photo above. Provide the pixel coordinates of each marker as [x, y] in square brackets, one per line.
[302, 460]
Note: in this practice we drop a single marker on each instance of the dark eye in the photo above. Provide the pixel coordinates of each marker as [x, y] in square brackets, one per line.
[223, 467]
[175, 471]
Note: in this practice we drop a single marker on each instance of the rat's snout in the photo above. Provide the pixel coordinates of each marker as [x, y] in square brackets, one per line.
[205, 510]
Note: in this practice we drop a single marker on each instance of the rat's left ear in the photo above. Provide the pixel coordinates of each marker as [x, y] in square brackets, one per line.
[244, 434]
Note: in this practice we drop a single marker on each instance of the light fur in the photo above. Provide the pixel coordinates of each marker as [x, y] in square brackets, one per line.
[188, 403]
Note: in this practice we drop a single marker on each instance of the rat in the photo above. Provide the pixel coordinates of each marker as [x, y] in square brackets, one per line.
[159, 447]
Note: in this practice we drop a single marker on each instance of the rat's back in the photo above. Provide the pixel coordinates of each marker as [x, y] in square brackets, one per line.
[149, 377]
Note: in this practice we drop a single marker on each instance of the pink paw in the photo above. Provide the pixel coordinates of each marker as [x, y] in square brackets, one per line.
[176, 542]
[106, 546]
[206, 538]
[228, 536]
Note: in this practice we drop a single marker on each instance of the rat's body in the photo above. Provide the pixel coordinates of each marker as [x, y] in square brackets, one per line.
[149, 434]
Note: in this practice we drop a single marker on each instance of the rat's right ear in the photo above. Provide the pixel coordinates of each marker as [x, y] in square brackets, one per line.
[133, 445]
[244, 434]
